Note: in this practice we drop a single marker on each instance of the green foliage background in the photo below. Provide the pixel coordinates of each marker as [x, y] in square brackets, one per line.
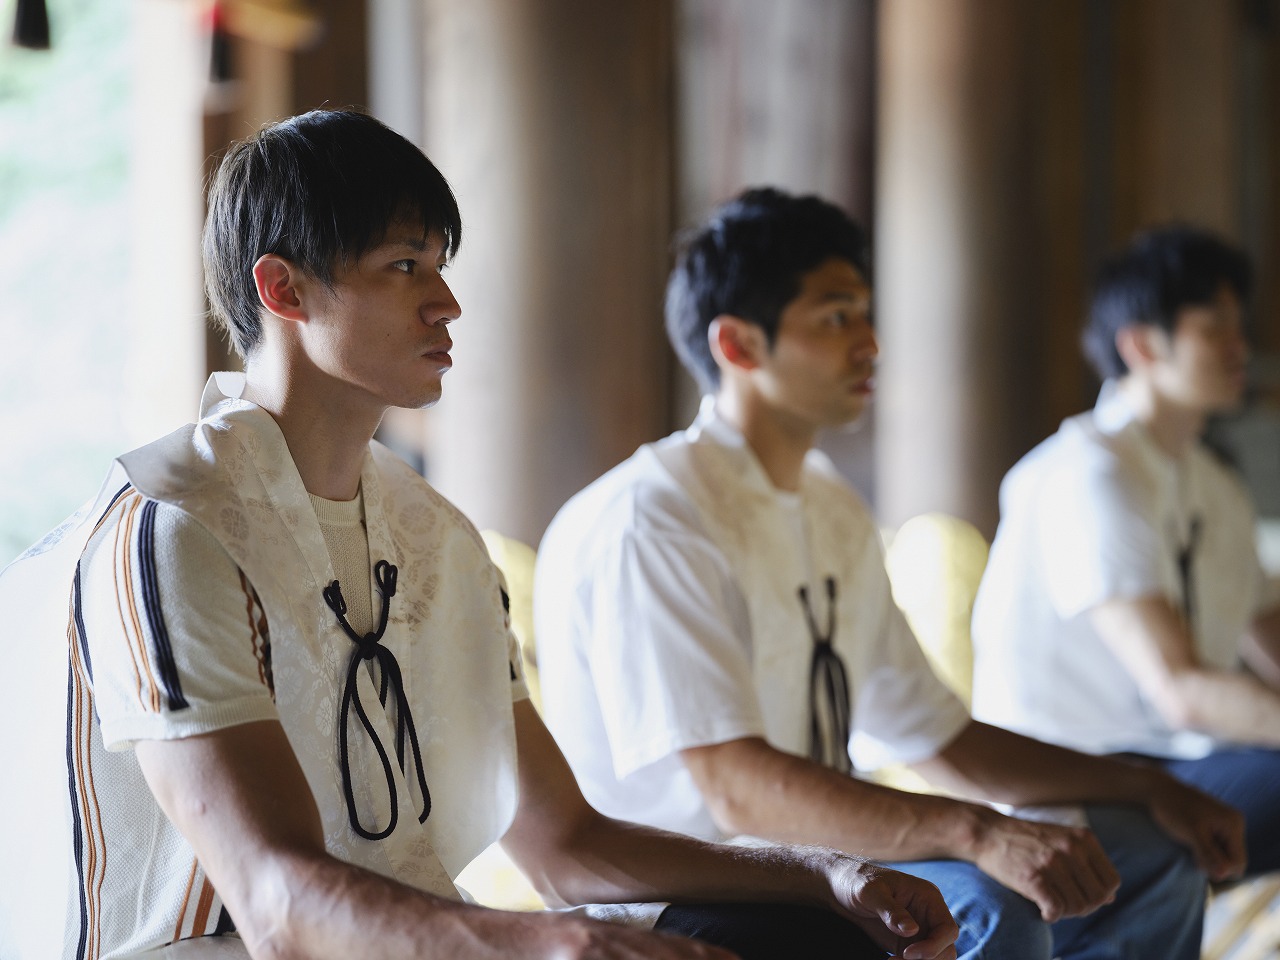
[65, 118]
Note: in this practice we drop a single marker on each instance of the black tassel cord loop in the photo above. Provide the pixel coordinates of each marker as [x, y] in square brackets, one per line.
[829, 741]
[369, 647]
[1186, 572]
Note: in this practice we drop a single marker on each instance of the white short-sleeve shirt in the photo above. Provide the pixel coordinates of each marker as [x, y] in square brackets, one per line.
[667, 617]
[1099, 512]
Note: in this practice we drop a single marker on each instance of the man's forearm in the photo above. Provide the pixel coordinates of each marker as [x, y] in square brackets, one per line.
[1232, 706]
[1152, 642]
[609, 861]
[756, 790]
[314, 906]
[998, 766]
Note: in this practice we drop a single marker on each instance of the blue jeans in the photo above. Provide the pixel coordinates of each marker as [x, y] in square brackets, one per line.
[1158, 913]
[1249, 780]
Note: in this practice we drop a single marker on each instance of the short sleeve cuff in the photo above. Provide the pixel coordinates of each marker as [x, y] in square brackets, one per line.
[122, 732]
[645, 751]
[947, 721]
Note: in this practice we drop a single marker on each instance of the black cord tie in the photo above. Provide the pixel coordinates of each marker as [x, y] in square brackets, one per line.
[1186, 557]
[369, 647]
[829, 742]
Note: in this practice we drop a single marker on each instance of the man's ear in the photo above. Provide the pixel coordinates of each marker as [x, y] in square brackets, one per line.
[1141, 344]
[736, 342]
[277, 282]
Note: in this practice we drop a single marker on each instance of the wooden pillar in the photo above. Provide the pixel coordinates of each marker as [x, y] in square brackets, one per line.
[778, 93]
[1176, 120]
[1197, 133]
[285, 59]
[957, 267]
[551, 118]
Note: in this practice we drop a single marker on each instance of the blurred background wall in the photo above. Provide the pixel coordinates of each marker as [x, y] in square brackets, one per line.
[995, 147]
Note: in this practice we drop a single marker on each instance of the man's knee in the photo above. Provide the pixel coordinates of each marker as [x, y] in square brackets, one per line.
[995, 922]
[999, 924]
[1145, 856]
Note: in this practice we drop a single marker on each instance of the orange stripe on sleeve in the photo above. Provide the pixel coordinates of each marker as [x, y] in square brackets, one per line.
[123, 588]
[153, 690]
[202, 908]
[124, 495]
[186, 899]
[253, 627]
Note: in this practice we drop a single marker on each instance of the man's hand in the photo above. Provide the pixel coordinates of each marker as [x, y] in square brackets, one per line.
[1062, 870]
[1213, 831]
[902, 913]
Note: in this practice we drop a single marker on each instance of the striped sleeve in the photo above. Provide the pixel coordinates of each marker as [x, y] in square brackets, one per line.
[175, 633]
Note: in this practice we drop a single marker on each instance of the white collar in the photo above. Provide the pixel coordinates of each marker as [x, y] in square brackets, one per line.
[710, 422]
[710, 426]
[1113, 411]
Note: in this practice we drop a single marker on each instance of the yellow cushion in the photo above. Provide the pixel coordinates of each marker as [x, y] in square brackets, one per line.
[935, 563]
[491, 877]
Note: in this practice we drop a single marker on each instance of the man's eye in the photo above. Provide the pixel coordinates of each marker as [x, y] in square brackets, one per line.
[405, 265]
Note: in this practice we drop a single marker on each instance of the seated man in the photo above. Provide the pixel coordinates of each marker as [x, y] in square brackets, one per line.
[263, 605]
[1124, 597]
[718, 645]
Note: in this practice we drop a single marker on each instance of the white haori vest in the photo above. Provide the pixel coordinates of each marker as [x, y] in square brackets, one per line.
[232, 472]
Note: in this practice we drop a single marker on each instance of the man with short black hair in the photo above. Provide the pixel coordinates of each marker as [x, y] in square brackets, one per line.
[265, 606]
[719, 648]
[1124, 594]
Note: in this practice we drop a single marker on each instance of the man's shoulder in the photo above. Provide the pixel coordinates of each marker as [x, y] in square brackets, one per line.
[638, 497]
[1080, 456]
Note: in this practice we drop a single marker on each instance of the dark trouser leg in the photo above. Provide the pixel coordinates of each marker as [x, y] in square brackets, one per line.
[1158, 913]
[770, 931]
[1248, 780]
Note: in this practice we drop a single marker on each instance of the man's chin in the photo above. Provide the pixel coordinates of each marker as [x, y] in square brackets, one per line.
[851, 417]
[422, 400]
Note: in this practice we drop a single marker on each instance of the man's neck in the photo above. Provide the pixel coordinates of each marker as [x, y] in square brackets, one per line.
[327, 438]
[1174, 428]
[778, 440]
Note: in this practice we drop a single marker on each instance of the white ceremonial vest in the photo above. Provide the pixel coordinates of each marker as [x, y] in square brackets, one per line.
[232, 472]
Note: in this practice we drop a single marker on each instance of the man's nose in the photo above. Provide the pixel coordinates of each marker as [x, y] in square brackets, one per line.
[868, 347]
[444, 305]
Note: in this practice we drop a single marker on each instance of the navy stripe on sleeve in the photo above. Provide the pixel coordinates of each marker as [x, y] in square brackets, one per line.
[77, 830]
[81, 639]
[151, 602]
[119, 494]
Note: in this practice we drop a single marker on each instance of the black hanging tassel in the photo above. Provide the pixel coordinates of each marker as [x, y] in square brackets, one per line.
[31, 27]
[369, 647]
[829, 730]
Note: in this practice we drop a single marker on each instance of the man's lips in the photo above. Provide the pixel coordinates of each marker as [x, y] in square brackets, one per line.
[440, 352]
[865, 384]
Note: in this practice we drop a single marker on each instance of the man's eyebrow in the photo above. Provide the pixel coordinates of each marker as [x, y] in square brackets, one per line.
[411, 241]
[846, 296]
